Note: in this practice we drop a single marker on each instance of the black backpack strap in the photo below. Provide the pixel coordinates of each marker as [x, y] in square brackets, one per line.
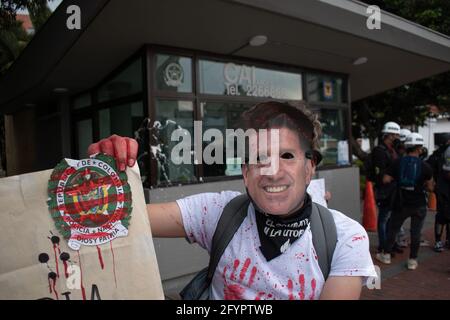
[232, 217]
[324, 236]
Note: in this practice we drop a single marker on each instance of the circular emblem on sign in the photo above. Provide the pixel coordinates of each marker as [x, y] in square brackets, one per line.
[173, 74]
[89, 200]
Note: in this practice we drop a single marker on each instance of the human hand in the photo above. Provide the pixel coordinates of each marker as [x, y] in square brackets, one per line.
[123, 149]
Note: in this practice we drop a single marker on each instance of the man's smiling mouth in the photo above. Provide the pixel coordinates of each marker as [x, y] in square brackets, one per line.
[275, 189]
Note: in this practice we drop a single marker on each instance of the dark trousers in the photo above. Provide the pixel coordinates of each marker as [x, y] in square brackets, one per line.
[384, 212]
[417, 216]
[439, 230]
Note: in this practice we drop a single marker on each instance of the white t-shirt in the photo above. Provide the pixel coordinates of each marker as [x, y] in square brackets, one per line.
[244, 273]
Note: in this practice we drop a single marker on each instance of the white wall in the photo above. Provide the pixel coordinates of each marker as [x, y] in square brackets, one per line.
[431, 127]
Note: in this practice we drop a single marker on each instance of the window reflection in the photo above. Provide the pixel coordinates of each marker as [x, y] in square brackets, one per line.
[222, 116]
[334, 135]
[84, 137]
[125, 120]
[172, 115]
[173, 73]
[127, 82]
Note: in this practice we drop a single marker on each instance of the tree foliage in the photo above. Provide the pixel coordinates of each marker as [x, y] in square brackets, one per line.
[13, 39]
[406, 105]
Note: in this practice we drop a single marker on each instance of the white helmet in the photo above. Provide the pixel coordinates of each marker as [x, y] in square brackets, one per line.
[391, 127]
[403, 134]
[413, 140]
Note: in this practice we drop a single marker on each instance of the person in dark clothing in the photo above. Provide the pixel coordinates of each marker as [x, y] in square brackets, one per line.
[401, 150]
[436, 160]
[442, 219]
[413, 177]
[401, 240]
[383, 155]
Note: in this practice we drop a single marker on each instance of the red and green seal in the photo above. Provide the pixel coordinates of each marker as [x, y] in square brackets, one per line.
[89, 200]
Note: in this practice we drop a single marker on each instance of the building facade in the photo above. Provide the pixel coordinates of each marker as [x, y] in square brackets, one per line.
[167, 64]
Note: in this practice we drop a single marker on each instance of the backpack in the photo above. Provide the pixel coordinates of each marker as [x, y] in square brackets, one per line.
[324, 236]
[410, 171]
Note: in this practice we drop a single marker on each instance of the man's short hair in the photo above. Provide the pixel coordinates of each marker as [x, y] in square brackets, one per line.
[295, 116]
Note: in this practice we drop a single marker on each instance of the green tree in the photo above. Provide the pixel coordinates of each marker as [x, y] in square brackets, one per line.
[13, 39]
[405, 105]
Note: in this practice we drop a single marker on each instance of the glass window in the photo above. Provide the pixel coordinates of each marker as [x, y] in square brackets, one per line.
[82, 101]
[173, 73]
[84, 137]
[325, 89]
[126, 83]
[125, 120]
[333, 143]
[232, 79]
[221, 116]
[122, 120]
[172, 115]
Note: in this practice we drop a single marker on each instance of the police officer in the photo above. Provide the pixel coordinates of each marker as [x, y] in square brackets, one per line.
[383, 155]
[413, 177]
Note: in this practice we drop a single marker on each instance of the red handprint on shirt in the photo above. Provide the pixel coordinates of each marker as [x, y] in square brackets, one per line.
[301, 293]
[236, 291]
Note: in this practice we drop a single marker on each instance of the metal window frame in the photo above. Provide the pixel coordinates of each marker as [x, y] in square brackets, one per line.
[150, 94]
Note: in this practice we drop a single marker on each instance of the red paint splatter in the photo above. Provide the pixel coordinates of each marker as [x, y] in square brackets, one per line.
[314, 253]
[56, 260]
[100, 258]
[233, 292]
[269, 295]
[65, 269]
[236, 291]
[54, 288]
[259, 295]
[114, 263]
[244, 269]
[357, 238]
[290, 289]
[301, 280]
[252, 276]
[313, 288]
[235, 266]
[83, 292]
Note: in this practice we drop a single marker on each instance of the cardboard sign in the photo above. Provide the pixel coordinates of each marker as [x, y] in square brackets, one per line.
[37, 262]
[316, 190]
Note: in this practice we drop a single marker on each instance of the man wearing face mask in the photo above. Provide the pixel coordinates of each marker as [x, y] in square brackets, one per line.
[271, 255]
[383, 156]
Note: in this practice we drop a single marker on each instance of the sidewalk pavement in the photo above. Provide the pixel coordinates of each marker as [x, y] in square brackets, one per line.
[431, 280]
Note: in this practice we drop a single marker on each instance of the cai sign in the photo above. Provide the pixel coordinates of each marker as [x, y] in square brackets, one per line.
[232, 79]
